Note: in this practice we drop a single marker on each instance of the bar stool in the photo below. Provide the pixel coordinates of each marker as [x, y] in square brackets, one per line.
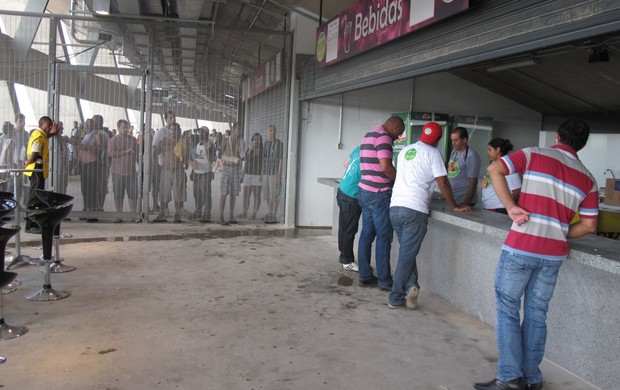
[47, 220]
[5, 279]
[7, 331]
[19, 259]
[51, 198]
[7, 205]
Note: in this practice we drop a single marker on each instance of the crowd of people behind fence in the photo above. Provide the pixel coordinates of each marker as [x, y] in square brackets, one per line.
[98, 155]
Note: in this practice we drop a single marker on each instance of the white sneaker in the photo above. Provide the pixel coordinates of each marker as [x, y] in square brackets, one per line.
[351, 267]
[411, 299]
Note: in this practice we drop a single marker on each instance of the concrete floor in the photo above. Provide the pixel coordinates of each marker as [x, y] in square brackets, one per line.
[193, 306]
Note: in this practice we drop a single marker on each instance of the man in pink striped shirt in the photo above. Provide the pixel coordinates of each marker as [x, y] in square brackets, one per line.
[375, 192]
[556, 185]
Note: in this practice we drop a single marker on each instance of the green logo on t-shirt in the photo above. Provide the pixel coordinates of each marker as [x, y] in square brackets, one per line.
[453, 169]
[410, 155]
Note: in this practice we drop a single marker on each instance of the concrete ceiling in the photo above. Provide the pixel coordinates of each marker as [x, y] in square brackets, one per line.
[561, 81]
[203, 48]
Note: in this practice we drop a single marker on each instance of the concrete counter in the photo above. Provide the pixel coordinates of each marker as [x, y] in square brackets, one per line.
[457, 261]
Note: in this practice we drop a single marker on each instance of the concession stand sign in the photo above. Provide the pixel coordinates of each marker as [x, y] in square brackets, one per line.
[266, 76]
[371, 23]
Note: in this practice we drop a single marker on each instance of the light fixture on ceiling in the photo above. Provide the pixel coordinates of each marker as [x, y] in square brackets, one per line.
[599, 54]
[513, 65]
[101, 7]
[229, 96]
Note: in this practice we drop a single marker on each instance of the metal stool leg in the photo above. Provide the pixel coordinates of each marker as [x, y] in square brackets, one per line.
[12, 287]
[47, 293]
[7, 331]
[57, 267]
[48, 219]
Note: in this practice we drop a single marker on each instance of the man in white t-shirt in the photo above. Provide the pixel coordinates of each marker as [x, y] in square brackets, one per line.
[419, 165]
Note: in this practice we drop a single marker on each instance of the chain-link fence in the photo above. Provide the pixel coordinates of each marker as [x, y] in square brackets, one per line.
[147, 110]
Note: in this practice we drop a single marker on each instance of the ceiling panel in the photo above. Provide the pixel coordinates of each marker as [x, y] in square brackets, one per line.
[564, 81]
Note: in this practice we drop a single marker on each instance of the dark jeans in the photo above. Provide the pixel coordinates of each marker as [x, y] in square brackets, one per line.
[37, 182]
[90, 186]
[348, 223]
[202, 191]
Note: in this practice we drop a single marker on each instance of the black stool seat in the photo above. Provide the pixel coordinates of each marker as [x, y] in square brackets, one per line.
[50, 217]
[50, 199]
[47, 220]
[6, 278]
[6, 206]
[6, 232]
[53, 198]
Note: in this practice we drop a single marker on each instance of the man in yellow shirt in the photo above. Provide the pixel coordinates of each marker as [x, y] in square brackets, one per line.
[38, 158]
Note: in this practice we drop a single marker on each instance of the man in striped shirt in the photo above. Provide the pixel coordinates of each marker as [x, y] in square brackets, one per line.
[556, 185]
[375, 191]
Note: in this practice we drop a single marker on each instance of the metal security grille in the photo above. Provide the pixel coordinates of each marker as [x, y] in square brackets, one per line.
[108, 82]
[270, 108]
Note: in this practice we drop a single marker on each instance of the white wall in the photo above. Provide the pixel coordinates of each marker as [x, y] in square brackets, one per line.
[305, 33]
[599, 154]
[444, 93]
[319, 154]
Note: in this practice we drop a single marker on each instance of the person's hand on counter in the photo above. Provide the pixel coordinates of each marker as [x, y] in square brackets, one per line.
[462, 208]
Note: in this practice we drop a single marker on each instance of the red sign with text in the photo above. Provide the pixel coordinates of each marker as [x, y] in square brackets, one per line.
[371, 23]
[265, 77]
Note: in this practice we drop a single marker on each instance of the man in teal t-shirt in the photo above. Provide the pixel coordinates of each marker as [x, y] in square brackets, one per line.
[350, 210]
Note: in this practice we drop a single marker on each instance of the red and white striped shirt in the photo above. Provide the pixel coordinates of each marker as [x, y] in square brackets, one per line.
[555, 186]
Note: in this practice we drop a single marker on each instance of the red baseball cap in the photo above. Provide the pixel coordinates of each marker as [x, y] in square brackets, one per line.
[431, 132]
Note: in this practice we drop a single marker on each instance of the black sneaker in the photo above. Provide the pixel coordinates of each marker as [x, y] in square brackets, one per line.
[369, 283]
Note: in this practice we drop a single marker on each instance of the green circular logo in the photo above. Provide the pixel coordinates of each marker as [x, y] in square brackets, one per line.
[453, 169]
[320, 46]
[410, 155]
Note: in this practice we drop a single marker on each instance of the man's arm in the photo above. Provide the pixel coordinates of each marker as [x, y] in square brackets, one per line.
[471, 190]
[279, 167]
[583, 227]
[497, 173]
[446, 191]
[34, 156]
[388, 168]
[113, 150]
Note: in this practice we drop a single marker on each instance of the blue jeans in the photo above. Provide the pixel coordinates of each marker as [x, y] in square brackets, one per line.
[375, 223]
[522, 345]
[410, 227]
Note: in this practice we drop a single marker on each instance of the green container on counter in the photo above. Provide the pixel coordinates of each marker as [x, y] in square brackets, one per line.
[414, 121]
